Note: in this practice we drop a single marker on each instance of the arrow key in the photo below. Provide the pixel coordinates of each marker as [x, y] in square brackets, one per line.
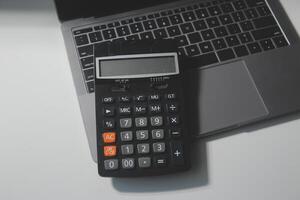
[109, 111]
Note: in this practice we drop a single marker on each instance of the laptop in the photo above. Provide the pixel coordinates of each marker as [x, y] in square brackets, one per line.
[244, 55]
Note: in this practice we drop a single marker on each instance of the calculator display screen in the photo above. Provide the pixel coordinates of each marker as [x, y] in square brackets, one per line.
[137, 66]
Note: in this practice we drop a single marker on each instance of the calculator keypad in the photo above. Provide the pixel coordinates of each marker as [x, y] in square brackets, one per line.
[141, 132]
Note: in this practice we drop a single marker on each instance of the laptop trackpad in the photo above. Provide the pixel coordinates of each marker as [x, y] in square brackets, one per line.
[224, 96]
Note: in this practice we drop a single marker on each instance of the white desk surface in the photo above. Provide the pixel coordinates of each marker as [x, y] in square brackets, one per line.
[43, 148]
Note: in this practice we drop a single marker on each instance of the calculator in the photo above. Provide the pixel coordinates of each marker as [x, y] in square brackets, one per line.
[140, 115]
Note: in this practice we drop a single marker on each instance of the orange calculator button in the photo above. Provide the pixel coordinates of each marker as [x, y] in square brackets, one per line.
[109, 137]
[110, 151]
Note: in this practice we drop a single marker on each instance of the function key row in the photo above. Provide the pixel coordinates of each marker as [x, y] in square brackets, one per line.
[139, 98]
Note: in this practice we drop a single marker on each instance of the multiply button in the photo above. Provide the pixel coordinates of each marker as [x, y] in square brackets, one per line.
[173, 121]
[108, 100]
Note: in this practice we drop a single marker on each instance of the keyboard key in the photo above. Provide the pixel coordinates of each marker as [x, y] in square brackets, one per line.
[280, 41]
[89, 74]
[267, 44]
[206, 47]
[202, 13]
[226, 19]
[208, 34]
[109, 123]
[194, 37]
[189, 16]
[254, 3]
[128, 163]
[245, 37]
[110, 151]
[136, 28]
[157, 134]
[127, 149]
[143, 148]
[147, 36]
[239, 5]
[214, 10]
[125, 110]
[219, 44]
[176, 19]
[142, 135]
[226, 54]
[181, 41]
[181, 51]
[90, 86]
[163, 22]
[173, 31]
[174, 120]
[133, 37]
[159, 147]
[127, 21]
[126, 136]
[123, 31]
[95, 37]
[160, 33]
[149, 25]
[266, 33]
[221, 31]
[126, 123]
[141, 122]
[247, 26]
[87, 62]
[227, 8]
[187, 28]
[108, 100]
[172, 107]
[200, 25]
[241, 51]
[109, 34]
[238, 16]
[192, 50]
[232, 41]
[81, 40]
[111, 164]
[254, 48]
[264, 22]
[81, 31]
[140, 18]
[155, 108]
[109, 111]
[109, 137]
[264, 11]
[156, 121]
[177, 153]
[160, 161]
[203, 60]
[234, 29]
[251, 13]
[144, 162]
[213, 22]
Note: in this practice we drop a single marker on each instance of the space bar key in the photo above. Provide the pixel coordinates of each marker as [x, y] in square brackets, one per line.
[202, 60]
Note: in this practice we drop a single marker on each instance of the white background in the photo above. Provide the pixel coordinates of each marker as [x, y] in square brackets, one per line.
[44, 153]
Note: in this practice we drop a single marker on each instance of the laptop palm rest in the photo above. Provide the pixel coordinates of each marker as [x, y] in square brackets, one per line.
[223, 97]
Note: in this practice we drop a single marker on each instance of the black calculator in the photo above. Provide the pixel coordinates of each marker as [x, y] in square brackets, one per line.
[140, 113]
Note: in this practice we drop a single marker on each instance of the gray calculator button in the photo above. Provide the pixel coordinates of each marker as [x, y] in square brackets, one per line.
[144, 162]
[126, 123]
[127, 163]
[142, 135]
[111, 164]
[157, 121]
[143, 148]
[126, 136]
[159, 147]
[158, 134]
[127, 149]
[141, 122]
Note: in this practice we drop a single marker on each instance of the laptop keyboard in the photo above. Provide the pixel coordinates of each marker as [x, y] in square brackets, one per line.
[213, 32]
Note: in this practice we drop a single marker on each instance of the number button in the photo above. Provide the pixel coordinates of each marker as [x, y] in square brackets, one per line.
[144, 162]
[154, 97]
[158, 134]
[142, 135]
[108, 100]
[157, 121]
[159, 147]
[127, 149]
[172, 107]
[140, 109]
[124, 99]
[155, 108]
[174, 120]
[126, 123]
[125, 110]
[126, 136]
[111, 164]
[109, 123]
[109, 112]
[143, 148]
[141, 122]
[127, 163]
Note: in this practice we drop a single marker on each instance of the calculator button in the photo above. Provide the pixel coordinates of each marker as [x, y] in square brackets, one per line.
[157, 134]
[109, 137]
[155, 108]
[177, 153]
[172, 107]
[159, 147]
[110, 151]
[108, 100]
[125, 110]
[126, 123]
[156, 121]
[141, 122]
[126, 136]
[154, 97]
[171, 96]
[160, 161]
[127, 163]
[125, 99]
[109, 123]
[175, 132]
[140, 109]
[143, 148]
[109, 112]
[140, 98]
[127, 149]
[144, 162]
[111, 164]
[142, 135]
[173, 121]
